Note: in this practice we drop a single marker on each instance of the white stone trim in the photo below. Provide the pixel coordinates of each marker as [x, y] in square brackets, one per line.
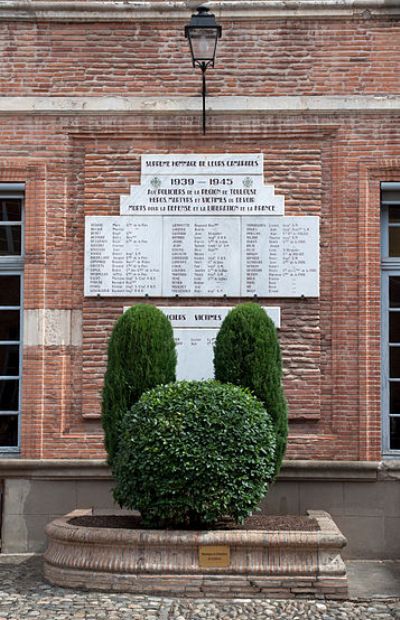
[143, 10]
[43, 327]
[187, 105]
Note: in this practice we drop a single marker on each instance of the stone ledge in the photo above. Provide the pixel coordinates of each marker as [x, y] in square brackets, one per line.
[389, 470]
[96, 469]
[117, 105]
[50, 469]
[330, 470]
[177, 10]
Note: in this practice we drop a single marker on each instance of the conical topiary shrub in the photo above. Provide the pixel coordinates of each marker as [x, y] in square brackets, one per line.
[141, 355]
[247, 353]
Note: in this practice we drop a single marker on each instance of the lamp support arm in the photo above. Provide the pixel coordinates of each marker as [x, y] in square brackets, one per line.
[202, 33]
[203, 71]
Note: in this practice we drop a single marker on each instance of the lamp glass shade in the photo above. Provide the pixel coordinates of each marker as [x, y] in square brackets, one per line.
[203, 43]
[203, 33]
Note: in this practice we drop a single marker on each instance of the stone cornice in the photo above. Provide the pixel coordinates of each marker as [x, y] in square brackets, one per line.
[152, 10]
[71, 469]
[114, 105]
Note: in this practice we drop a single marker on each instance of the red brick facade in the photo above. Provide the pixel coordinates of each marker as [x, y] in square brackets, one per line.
[328, 165]
[259, 58]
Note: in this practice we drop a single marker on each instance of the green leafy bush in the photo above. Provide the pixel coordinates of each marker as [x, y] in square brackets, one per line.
[141, 355]
[193, 452]
[247, 353]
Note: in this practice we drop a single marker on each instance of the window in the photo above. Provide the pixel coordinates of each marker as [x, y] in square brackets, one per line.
[390, 266]
[11, 282]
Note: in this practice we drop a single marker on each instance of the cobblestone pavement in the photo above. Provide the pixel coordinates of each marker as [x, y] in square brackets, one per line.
[24, 595]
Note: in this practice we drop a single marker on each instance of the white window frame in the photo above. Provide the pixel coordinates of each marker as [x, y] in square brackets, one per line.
[390, 266]
[14, 265]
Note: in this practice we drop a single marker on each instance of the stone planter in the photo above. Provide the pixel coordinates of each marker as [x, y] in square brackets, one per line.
[255, 563]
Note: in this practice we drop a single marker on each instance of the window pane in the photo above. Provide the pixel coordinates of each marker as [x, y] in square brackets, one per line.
[9, 360]
[9, 324]
[10, 240]
[9, 395]
[394, 215]
[10, 210]
[394, 388]
[394, 355]
[10, 290]
[395, 433]
[391, 195]
[394, 291]
[8, 430]
[394, 326]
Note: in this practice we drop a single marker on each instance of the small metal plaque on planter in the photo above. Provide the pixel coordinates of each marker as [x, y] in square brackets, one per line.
[214, 556]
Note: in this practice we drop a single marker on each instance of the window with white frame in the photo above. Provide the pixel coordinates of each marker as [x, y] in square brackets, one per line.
[11, 288]
[390, 269]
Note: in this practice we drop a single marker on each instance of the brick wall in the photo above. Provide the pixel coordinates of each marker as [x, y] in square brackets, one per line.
[285, 57]
[326, 165]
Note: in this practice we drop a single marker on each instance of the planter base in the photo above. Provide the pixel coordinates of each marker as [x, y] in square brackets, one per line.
[262, 564]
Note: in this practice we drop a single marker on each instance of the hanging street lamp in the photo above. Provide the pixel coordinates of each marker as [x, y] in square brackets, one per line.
[203, 33]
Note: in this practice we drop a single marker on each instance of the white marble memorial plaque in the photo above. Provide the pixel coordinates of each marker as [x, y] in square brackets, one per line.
[98, 256]
[202, 185]
[280, 256]
[121, 258]
[196, 227]
[195, 356]
[206, 163]
[201, 257]
[207, 316]
[195, 329]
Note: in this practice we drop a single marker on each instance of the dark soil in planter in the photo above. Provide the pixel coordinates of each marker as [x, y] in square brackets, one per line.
[255, 522]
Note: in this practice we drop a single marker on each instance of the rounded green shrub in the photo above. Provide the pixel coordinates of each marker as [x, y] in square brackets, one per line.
[193, 452]
[141, 355]
[247, 353]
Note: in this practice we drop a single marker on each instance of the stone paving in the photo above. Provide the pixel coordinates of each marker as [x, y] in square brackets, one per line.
[24, 595]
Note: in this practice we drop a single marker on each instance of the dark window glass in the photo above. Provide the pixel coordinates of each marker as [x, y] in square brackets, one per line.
[10, 240]
[394, 387]
[394, 215]
[9, 360]
[8, 431]
[394, 240]
[9, 324]
[11, 245]
[395, 362]
[10, 290]
[394, 326]
[9, 395]
[10, 210]
[394, 291]
[395, 433]
[391, 195]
